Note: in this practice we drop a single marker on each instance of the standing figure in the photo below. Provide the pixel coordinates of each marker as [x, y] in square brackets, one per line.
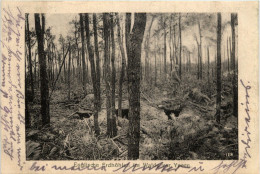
[174, 79]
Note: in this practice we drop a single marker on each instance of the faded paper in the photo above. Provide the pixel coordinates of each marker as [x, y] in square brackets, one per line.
[13, 158]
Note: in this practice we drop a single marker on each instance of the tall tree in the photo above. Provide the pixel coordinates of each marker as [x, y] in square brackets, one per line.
[27, 113]
[122, 74]
[218, 101]
[208, 67]
[233, 64]
[45, 110]
[227, 56]
[83, 51]
[200, 50]
[170, 43]
[97, 59]
[180, 44]
[28, 39]
[164, 48]
[107, 73]
[175, 45]
[93, 74]
[127, 31]
[69, 73]
[155, 61]
[134, 67]
[113, 80]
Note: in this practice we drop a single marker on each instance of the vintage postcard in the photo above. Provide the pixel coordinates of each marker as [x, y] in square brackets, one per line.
[129, 87]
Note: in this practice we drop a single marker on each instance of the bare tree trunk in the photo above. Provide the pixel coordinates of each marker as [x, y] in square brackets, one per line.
[175, 46]
[200, 72]
[134, 63]
[93, 75]
[113, 80]
[35, 69]
[170, 43]
[180, 43]
[45, 110]
[27, 113]
[64, 68]
[218, 101]
[155, 69]
[227, 56]
[107, 73]
[127, 31]
[189, 63]
[30, 54]
[208, 67]
[83, 52]
[233, 63]
[69, 73]
[164, 48]
[97, 59]
[122, 68]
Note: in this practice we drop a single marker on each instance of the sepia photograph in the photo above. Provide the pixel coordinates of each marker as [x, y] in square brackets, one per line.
[131, 86]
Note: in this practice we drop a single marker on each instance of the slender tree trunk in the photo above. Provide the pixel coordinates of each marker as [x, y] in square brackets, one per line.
[122, 68]
[200, 71]
[107, 73]
[127, 31]
[43, 70]
[160, 59]
[134, 63]
[208, 67]
[83, 52]
[87, 65]
[35, 65]
[97, 59]
[175, 46]
[164, 48]
[227, 56]
[189, 63]
[230, 50]
[30, 55]
[78, 70]
[93, 74]
[218, 101]
[155, 69]
[170, 43]
[113, 80]
[69, 73]
[64, 68]
[180, 44]
[233, 63]
[27, 113]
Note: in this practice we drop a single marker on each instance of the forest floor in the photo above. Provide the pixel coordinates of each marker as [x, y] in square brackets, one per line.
[192, 135]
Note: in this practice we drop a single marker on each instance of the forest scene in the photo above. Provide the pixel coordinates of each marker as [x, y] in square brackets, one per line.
[128, 86]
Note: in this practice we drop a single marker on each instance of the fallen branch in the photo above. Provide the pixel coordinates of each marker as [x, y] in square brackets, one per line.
[122, 154]
[200, 107]
[118, 136]
[116, 145]
[85, 120]
[72, 114]
[146, 98]
[227, 146]
[121, 142]
[145, 131]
